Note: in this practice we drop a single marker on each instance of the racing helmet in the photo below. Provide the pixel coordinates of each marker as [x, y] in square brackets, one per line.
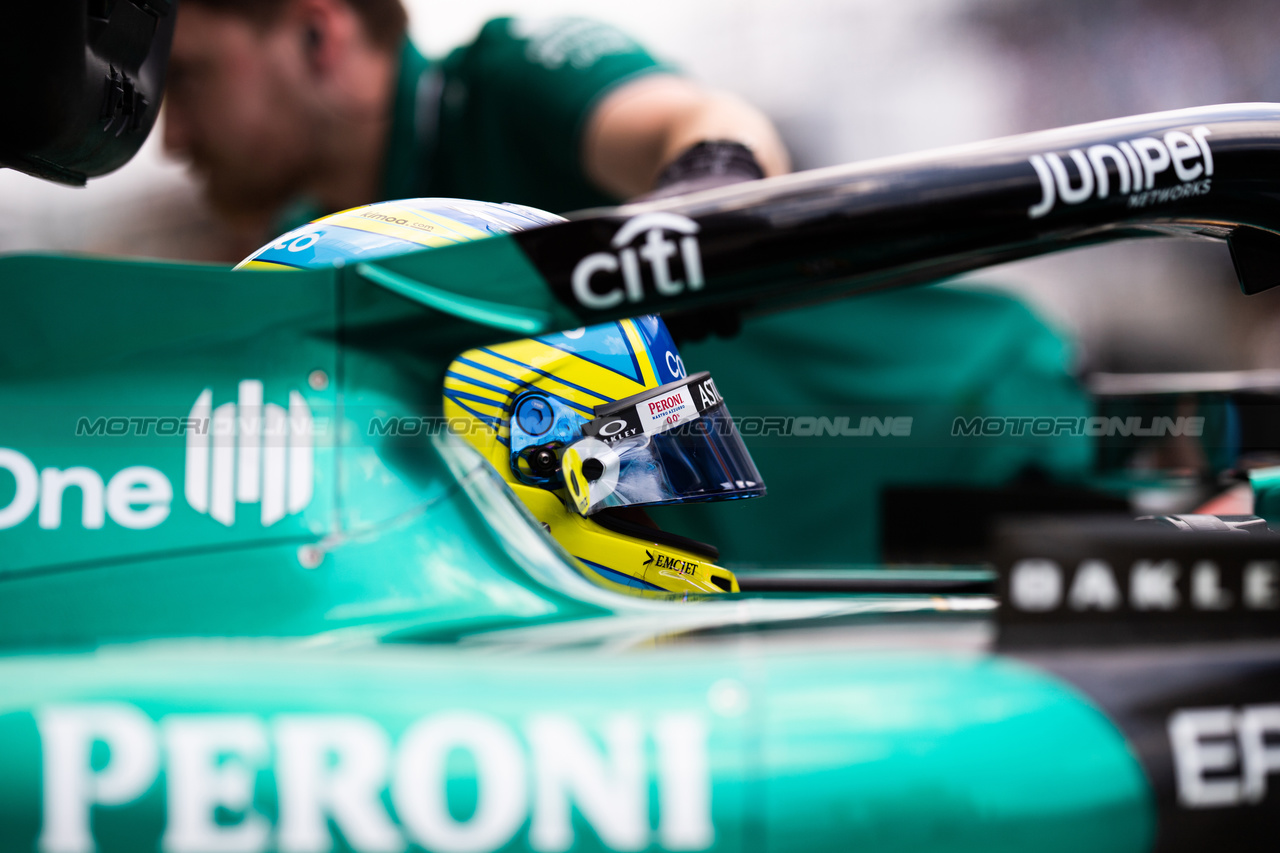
[392, 228]
[587, 426]
[590, 426]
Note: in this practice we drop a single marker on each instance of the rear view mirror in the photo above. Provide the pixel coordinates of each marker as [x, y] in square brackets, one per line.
[81, 82]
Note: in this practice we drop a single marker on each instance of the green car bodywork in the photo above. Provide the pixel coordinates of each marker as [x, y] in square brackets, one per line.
[418, 665]
[350, 635]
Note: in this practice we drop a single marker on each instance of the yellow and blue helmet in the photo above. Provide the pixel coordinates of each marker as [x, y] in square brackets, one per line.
[587, 426]
[592, 425]
[392, 228]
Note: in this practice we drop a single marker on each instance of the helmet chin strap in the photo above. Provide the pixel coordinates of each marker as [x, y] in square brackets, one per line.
[635, 522]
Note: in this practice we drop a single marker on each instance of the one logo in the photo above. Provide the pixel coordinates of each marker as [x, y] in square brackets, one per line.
[1134, 163]
[251, 453]
[137, 497]
[241, 452]
[606, 279]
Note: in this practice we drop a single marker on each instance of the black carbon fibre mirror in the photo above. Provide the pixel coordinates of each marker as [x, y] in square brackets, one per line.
[80, 84]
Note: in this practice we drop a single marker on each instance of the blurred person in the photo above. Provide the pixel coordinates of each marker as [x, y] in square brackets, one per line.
[289, 109]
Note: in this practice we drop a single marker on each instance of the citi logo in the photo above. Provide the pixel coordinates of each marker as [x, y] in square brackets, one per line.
[596, 281]
[1136, 162]
[252, 453]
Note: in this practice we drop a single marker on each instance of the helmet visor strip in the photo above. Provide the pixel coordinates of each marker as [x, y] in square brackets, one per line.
[674, 444]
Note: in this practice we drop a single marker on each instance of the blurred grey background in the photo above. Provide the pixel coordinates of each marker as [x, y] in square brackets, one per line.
[850, 80]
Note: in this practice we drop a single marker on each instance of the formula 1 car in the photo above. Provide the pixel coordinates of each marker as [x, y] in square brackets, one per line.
[363, 641]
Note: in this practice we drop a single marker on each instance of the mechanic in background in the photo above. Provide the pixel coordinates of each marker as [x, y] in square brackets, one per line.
[291, 109]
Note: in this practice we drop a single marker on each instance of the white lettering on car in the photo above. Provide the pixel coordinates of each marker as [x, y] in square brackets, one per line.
[1136, 163]
[1222, 757]
[331, 772]
[241, 452]
[136, 497]
[1042, 586]
[593, 288]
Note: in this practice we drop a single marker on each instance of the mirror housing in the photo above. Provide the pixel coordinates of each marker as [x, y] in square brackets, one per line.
[81, 83]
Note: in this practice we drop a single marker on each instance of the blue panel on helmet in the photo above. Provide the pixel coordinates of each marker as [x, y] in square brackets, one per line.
[619, 577]
[665, 355]
[324, 245]
[535, 415]
[605, 345]
[541, 421]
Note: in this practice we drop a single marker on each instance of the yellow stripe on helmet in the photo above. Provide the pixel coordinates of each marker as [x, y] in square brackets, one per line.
[465, 372]
[586, 373]
[584, 400]
[413, 226]
[492, 408]
[266, 265]
[648, 372]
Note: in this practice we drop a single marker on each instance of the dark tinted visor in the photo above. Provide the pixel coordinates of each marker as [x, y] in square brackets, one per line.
[675, 444]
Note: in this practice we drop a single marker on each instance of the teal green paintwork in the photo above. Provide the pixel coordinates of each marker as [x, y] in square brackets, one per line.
[492, 270]
[1266, 493]
[413, 583]
[960, 747]
[526, 322]
[835, 752]
[99, 339]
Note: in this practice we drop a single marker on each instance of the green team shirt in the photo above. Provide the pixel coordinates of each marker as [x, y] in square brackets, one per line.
[502, 118]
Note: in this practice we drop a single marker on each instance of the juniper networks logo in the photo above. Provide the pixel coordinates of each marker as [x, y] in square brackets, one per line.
[242, 452]
[251, 454]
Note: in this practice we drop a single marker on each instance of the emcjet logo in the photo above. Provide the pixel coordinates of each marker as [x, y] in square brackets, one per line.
[345, 774]
[662, 561]
[1136, 164]
[606, 279]
[243, 452]
[252, 453]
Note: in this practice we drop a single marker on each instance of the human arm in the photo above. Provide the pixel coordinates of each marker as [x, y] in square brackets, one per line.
[642, 126]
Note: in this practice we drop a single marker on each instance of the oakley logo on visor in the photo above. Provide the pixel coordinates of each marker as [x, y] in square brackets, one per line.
[612, 428]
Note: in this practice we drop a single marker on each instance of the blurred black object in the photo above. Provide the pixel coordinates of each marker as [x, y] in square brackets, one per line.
[81, 82]
[955, 524]
[1197, 523]
[1102, 581]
